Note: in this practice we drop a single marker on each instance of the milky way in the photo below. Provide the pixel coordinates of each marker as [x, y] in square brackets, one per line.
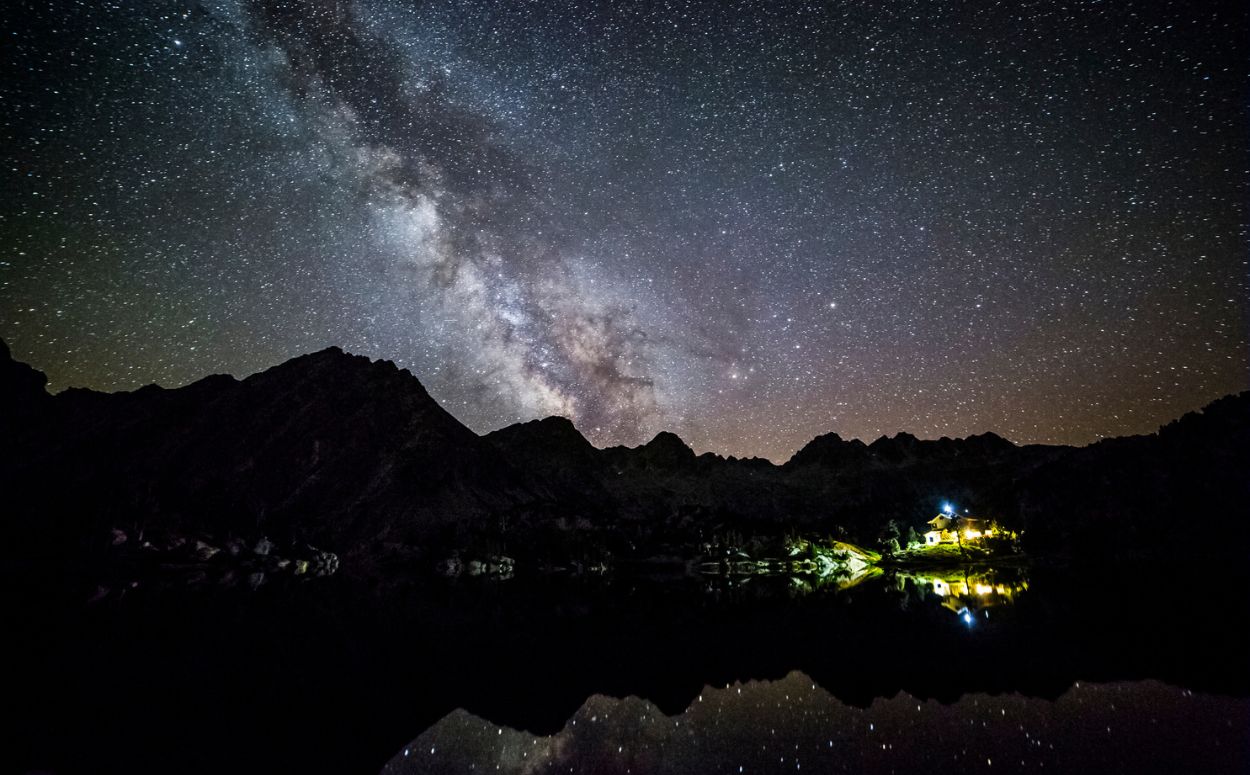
[748, 223]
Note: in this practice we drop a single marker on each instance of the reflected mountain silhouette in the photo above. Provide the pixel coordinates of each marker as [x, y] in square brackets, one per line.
[335, 675]
[793, 724]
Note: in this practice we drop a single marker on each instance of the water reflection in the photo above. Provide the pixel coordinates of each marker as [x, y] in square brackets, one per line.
[778, 585]
[805, 585]
[969, 593]
[793, 724]
[363, 665]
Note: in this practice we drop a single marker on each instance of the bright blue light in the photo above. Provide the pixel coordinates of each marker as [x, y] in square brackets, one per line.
[967, 617]
[946, 507]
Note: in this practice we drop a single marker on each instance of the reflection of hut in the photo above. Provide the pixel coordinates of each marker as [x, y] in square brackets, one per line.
[962, 592]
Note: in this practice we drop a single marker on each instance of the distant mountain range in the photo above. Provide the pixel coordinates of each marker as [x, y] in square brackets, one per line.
[354, 456]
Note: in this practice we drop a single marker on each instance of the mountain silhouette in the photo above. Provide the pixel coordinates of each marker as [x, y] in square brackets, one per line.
[355, 456]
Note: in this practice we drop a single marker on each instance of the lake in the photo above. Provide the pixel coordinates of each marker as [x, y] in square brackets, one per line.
[1139, 669]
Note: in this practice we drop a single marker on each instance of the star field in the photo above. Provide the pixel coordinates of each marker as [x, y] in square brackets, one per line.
[794, 725]
[749, 223]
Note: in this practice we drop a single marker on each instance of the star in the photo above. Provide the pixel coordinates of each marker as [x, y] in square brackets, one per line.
[601, 218]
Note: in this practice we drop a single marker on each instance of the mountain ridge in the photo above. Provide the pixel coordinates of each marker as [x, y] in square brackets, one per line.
[354, 454]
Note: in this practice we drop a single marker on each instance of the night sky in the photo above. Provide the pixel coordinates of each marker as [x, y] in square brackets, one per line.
[749, 223]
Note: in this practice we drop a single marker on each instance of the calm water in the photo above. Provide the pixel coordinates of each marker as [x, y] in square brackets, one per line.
[953, 670]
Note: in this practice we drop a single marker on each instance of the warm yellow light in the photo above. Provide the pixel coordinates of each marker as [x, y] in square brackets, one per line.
[984, 589]
[972, 534]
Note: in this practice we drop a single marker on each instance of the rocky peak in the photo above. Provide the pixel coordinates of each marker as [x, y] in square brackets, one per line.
[22, 388]
[988, 444]
[666, 450]
[828, 449]
[551, 437]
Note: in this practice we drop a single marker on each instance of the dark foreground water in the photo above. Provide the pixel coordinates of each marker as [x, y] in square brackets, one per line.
[1141, 670]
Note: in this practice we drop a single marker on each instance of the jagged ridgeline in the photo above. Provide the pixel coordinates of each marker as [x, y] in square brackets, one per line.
[334, 453]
